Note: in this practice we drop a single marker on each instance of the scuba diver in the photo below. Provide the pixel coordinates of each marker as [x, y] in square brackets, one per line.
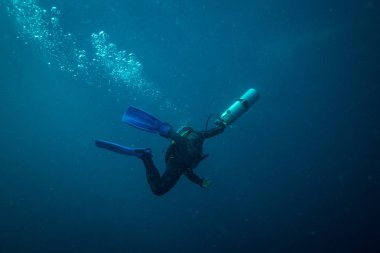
[186, 150]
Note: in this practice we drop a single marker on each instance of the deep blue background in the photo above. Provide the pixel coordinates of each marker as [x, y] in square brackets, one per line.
[298, 173]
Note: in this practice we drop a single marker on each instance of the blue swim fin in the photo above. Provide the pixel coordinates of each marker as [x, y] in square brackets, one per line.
[144, 121]
[138, 152]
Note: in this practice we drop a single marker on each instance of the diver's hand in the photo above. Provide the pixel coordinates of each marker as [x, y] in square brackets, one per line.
[206, 183]
[220, 123]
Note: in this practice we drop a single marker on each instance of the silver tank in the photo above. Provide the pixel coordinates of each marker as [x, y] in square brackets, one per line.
[240, 106]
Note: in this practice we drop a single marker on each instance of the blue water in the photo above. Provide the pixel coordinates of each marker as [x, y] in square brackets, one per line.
[299, 172]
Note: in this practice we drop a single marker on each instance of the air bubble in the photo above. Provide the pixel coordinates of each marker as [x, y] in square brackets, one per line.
[54, 21]
[55, 11]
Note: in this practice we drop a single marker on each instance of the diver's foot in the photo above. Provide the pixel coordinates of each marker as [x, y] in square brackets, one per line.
[145, 153]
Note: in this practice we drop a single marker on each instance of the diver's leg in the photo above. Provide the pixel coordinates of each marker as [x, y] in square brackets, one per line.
[152, 174]
[160, 185]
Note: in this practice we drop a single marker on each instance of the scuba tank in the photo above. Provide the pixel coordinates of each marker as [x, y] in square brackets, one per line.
[239, 107]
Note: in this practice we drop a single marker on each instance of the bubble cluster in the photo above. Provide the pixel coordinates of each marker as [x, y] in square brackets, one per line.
[108, 65]
[122, 67]
[42, 28]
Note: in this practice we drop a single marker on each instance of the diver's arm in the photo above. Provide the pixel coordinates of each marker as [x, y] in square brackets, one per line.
[202, 182]
[194, 178]
[214, 131]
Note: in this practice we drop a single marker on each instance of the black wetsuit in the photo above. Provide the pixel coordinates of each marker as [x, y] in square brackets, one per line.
[182, 156]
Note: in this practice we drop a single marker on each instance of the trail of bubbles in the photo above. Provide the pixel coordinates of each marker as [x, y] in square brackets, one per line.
[41, 27]
[122, 67]
[122, 70]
